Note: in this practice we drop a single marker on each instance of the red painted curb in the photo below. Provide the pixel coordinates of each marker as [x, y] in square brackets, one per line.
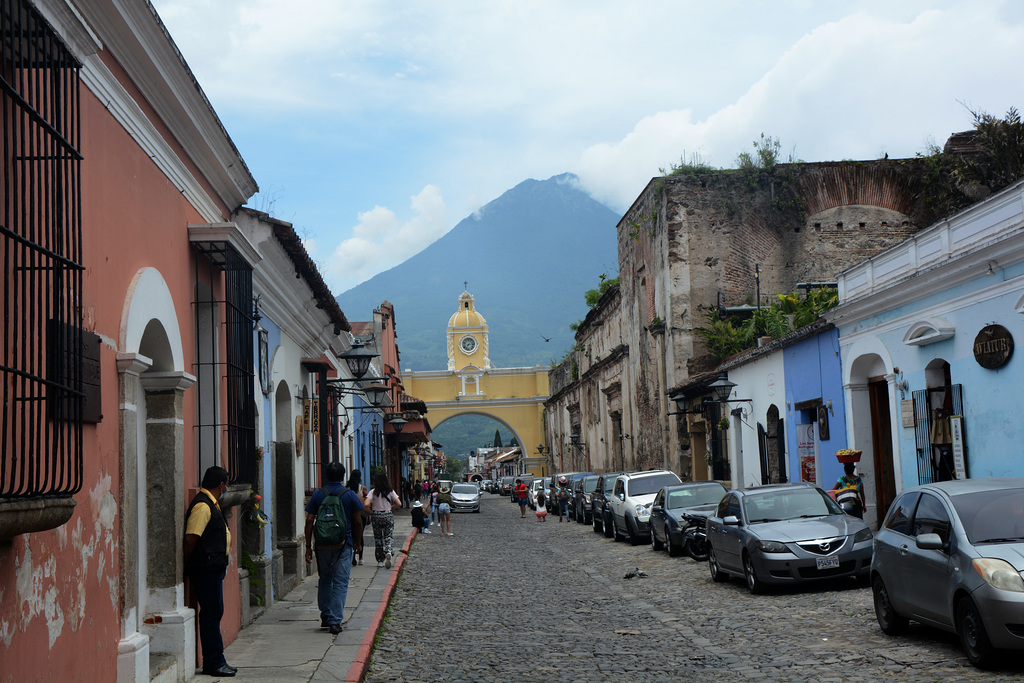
[362, 660]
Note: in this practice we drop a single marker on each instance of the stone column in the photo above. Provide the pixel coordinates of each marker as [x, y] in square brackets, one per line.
[169, 624]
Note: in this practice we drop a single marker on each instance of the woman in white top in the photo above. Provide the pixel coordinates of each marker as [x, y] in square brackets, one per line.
[383, 501]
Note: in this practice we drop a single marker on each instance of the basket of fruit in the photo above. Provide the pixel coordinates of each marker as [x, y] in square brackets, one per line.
[846, 455]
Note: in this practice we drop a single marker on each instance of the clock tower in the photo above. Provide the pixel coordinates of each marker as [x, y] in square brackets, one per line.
[467, 341]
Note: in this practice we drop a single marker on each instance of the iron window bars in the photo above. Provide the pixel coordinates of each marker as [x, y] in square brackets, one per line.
[41, 249]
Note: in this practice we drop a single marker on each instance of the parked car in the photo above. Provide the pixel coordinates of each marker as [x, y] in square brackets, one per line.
[507, 483]
[573, 479]
[465, 497]
[631, 500]
[951, 555]
[599, 512]
[583, 489]
[672, 502]
[784, 533]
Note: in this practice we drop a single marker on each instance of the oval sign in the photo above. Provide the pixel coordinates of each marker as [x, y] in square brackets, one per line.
[993, 347]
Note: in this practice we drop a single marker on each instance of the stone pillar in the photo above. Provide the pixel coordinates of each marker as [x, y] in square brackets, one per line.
[133, 647]
[169, 624]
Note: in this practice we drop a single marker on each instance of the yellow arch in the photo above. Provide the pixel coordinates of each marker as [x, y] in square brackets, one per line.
[512, 396]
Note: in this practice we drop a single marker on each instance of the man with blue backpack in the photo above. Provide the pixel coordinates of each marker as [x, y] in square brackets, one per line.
[331, 514]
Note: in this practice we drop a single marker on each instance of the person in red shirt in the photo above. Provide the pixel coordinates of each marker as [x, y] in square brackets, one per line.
[521, 492]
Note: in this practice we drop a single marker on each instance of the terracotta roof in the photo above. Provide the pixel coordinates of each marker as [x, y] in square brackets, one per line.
[307, 270]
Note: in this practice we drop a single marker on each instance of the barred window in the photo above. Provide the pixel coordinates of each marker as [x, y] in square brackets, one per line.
[227, 362]
[41, 397]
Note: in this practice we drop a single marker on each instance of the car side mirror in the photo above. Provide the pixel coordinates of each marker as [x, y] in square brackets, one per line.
[731, 520]
[930, 542]
[621, 496]
[656, 508]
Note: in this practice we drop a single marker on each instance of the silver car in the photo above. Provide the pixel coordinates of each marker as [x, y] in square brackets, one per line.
[785, 533]
[465, 497]
[951, 555]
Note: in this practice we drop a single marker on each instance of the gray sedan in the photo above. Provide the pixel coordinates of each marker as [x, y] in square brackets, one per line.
[951, 555]
[785, 533]
[465, 497]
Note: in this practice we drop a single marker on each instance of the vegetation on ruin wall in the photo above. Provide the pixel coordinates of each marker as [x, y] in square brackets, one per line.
[725, 336]
[953, 181]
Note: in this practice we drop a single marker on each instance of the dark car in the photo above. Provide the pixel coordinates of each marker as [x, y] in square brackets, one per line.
[785, 533]
[599, 513]
[951, 555]
[672, 502]
[507, 483]
[582, 491]
[574, 478]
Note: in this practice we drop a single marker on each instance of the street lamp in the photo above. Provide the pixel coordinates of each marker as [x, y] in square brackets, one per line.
[722, 388]
[358, 358]
[398, 423]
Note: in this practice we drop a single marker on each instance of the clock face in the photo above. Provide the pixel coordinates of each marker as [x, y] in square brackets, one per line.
[468, 344]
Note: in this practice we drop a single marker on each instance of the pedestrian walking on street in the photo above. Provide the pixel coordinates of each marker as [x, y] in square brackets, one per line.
[444, 510]
[434, 491]
[382, 502]
[542, 512]
[206, 548]
[562, 498]
[850, 488]
[522, 491]
[403, 490]
[355, 483]
[420, 520]
[333, 555]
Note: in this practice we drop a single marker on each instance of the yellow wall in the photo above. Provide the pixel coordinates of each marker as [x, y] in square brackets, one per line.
[499, 391]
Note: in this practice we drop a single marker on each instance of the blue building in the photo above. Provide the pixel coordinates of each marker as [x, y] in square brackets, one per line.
[926, 334]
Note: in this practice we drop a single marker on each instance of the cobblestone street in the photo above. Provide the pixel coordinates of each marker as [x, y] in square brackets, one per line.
[510, 599]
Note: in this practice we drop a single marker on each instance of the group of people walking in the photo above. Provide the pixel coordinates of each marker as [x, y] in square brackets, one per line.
[439, 510]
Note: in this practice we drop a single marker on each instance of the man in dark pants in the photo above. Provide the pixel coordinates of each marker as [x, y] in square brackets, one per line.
[334, 562]
[206, 547]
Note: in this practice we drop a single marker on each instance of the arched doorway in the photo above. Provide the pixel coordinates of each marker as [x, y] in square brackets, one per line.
[284, 490]
[463, 433]
[152, 499]
[870, 431]
[772, 446]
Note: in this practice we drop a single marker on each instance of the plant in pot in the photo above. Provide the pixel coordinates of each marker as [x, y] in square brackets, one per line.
[765, 322]
[723, 424]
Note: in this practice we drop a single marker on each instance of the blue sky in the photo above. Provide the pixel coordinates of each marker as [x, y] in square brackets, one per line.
[375, 127]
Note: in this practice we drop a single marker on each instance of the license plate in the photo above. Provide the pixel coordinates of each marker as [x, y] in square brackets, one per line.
[828, 562]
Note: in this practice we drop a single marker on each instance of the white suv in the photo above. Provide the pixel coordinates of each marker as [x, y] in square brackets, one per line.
[630, 502]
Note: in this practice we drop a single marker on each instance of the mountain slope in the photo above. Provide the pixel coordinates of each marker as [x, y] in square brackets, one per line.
[528, 257]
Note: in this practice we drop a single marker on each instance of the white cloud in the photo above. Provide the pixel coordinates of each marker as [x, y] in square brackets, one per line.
[849, 89]
[382, 240]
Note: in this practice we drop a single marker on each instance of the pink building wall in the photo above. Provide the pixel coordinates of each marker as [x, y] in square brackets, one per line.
[60, 590]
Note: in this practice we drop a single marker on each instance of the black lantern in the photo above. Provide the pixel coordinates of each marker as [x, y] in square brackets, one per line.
[358, 358]
[721, 389]
[398, 423]
[376, 394]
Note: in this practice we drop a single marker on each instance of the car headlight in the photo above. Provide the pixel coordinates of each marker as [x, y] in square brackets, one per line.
[999, 574]
[862, 535]
[643, 510]
[772, 547]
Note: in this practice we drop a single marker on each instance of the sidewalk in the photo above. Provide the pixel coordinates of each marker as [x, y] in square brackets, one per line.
[286, 644]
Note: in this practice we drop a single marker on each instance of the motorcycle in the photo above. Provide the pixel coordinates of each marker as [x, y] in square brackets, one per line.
[695, 537]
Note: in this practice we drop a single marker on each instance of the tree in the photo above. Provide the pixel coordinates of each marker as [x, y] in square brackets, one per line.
[497, 438]
[453, 467]
[513, 442]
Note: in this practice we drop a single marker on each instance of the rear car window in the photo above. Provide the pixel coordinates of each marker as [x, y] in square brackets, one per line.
[642, 486]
